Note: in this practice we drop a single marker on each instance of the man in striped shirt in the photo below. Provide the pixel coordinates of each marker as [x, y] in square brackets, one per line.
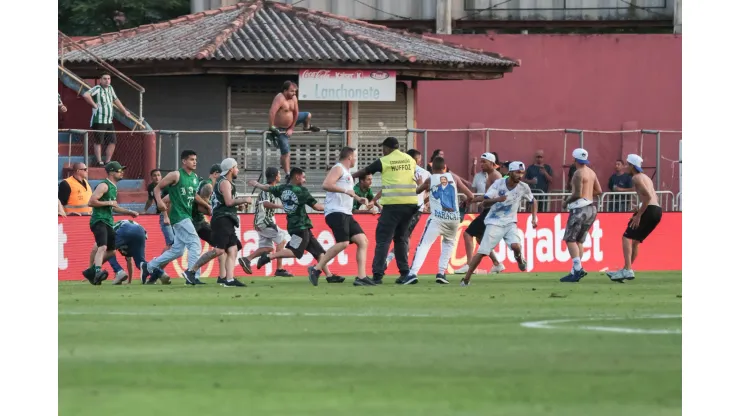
[102, 97]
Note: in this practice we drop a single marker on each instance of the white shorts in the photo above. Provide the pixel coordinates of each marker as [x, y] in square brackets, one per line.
[270, 236]
[493, 235]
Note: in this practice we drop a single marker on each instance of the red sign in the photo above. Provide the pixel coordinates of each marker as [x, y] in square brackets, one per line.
[543, 247]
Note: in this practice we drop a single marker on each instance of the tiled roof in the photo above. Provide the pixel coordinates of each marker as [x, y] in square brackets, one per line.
[265, 31]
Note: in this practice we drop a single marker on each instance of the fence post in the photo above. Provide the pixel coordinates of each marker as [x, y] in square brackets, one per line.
[141, 105]
[327, 149]
[159, 150]
[657, 161]
[264, 154]
[488, 138]
[87, 152]
[177, 149]
[69, 151]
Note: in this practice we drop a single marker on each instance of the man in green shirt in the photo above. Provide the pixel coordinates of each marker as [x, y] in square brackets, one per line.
[181, 185]
[103, 203]
[362, 189]
[295, 197]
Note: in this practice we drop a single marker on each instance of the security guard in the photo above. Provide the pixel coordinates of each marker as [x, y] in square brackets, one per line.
[399, 201]
[75, 192]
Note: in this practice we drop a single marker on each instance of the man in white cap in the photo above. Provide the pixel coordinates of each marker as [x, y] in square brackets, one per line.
[224, 220]
[585, 187]
[642, 223]
[505, 197]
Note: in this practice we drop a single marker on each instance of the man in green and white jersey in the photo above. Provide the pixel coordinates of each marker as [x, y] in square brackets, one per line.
[102, 98]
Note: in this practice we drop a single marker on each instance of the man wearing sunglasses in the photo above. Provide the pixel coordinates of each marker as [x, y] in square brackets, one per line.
[74, 192]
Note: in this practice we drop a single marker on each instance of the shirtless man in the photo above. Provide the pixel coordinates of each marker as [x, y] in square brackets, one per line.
[582, 210]
[642, 223]
[284, 116]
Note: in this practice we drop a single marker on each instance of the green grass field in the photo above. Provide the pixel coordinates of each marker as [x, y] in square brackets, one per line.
[283, 347]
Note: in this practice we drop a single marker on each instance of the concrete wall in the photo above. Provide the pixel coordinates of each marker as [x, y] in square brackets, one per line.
[605, 82]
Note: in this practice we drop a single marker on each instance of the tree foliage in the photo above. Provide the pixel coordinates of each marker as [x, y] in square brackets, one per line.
[93, 17]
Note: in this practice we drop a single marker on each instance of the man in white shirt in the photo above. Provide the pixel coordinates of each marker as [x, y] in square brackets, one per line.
[504, 196]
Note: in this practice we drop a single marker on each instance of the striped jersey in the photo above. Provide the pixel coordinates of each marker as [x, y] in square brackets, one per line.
[264, 217]
[104, 98]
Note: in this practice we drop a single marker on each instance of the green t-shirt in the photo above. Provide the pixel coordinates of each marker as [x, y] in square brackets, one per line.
[105, 214]
[198, 216]
[367, 194]
[218, 203]
[294, 199]
[182, 195]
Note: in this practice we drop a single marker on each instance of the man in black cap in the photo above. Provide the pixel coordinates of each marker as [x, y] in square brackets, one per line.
[399, 201]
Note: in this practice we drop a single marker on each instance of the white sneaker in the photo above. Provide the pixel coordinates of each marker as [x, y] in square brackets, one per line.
[462, 270]
[463, 284]
[121, 277]
[621, 275]
[497, 269]
[389, 259]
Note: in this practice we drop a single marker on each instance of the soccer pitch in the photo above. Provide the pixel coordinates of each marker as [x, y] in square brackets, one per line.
[514, 344]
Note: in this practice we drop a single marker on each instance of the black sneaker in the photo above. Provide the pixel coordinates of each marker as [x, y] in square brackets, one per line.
[313, 275]
[363, 282]
[335, 279]
[198, 282]
[100, 276]
[378, 280]
[522, 265]
[220, 280]
[189, 277]
[144, 272]
[262, 261]
[89, 275]
[246, 265]
[401, 278]
[441, 279]
[282, 273]
[408, 280]
[314, 129]
[234, 283]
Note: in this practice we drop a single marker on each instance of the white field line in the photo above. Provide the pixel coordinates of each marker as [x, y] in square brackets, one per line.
[554, 324]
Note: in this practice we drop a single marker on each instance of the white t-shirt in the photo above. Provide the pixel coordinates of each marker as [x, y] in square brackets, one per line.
[479, 182]
[336, 202]
[422, 173]
[504, 213]
[443, 204]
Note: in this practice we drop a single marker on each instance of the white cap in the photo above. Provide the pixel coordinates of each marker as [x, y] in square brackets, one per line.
[489, 157]
[581, 156]
[635, 161]
[516, 166]
[227, 165]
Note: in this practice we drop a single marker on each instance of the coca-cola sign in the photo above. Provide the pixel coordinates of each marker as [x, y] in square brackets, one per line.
[346, 85]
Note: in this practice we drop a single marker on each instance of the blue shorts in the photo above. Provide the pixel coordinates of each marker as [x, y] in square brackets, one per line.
[131, 241]
[283, 139]
[169, 235]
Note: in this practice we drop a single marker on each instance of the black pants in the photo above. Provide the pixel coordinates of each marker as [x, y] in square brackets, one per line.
[393, 225]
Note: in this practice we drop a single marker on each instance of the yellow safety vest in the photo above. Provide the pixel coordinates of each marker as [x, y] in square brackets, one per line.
[399, 185]
[79, 196]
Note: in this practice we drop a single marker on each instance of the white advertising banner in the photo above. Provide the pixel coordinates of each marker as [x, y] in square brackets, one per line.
[346, 85]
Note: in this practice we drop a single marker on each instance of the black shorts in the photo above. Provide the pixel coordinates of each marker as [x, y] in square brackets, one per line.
[104, 235]
[343, 226]
[649, 220]
[302, 241]
[414, 221]
[477, 227]
[107, 137]
[223, 233]
[204, 232]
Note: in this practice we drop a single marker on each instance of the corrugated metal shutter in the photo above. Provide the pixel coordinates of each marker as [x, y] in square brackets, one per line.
[385, 116]
[250, 106]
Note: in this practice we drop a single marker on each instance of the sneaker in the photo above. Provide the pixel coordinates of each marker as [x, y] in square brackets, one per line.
[282, 273]
[389, 259]
[164, 279]
[246, 265]
[100, 276]
[189, 277]
[234, 283]
[621, 275]
[262, 261]
[378, 280]
[463, 283]
[574, 277]
[314, 129]
[462, 270]
[363, 282]
[144, 271]
[498, 269]
[121, 277]
[198, 282]
[220, 280]
[313, 275]
[409, 279]
[522, 265]
[441, 279]
[89, 275]
[335, 279]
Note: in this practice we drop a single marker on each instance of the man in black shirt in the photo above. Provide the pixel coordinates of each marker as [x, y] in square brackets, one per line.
[164, 221]
[619, 182]
[539, 177]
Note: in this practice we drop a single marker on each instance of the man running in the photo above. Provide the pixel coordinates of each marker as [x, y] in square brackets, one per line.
[284, 116]
[338, 216]
[295, 197]
[420, 175]
[270, 235]
[202, 206]
[103, 203]
[582, 214]
[444, 219]
[180, 185]
[504, 196]
[477, 227]
[642, 223]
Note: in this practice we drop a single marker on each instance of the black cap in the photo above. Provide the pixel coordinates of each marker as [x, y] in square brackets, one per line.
[271, 173]
[216, 168]
[390, 142]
